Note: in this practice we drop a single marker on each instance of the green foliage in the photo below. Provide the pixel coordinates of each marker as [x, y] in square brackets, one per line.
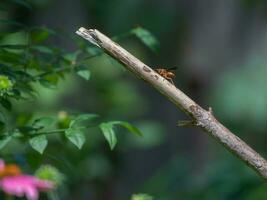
[4, 141]
[109, 134]
[6, 104]
[30, 66]
[108, 130]
[51, 173]
[76, 136]
[26, 60]
[78, 121]
[43, 122]
[5, 84]
[83, 72]
[39, 143]
[77, 129]
[141, 197]
[146, 37]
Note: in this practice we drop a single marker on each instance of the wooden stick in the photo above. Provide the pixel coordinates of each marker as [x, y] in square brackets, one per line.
[201, 117]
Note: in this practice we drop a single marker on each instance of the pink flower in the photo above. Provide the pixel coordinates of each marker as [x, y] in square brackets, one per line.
[27, 185]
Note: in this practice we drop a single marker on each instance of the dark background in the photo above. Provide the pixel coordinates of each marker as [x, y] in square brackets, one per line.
[220, 50]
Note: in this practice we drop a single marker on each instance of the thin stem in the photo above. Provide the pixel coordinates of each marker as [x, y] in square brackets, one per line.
[57, 70]
[50, 132]
[85, 59]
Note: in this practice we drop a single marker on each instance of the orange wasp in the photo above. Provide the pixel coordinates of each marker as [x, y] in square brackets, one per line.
[167, 73]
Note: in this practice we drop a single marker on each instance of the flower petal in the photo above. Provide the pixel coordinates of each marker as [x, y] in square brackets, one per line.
[24, 185]
[31, 193]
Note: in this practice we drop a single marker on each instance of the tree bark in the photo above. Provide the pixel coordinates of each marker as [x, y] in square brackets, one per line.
[200, 117]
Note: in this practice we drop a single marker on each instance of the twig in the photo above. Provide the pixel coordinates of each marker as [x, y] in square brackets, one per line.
[202, 118]
[49, 132]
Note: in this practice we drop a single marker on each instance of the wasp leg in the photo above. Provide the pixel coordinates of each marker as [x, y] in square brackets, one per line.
[170, 79]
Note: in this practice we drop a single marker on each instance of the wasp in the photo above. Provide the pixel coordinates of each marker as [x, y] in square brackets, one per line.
[167, 73]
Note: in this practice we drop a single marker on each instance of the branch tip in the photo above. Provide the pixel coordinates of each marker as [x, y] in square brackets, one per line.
[89, 35]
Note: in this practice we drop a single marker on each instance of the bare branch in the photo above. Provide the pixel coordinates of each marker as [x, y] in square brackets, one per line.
[202, 118]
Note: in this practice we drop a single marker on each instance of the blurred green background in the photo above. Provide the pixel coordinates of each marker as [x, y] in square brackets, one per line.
[220, 50]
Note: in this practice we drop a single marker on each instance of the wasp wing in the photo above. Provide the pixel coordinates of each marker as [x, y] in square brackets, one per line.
[172, 68]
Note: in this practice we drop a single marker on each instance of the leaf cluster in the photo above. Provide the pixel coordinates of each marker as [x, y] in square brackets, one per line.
[29, 57]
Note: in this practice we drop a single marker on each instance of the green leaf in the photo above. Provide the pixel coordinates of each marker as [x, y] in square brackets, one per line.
[81, 119]
[108, 131]
[84, 117]
[71, 57]
[49, 81]
[146, 37]
[9, 57]
[47, 84]
[17, 133]
[50, 173]
[76, 130]
[13, 46]
[6, 104]
[43, 49]
[109, 134]
[93, 51]
[128, 126]
[84, 73]
[39, 143]
[141, 197]
[40, 34]
[2, 126]
[4, 141]
[43, 122]
[76, 136]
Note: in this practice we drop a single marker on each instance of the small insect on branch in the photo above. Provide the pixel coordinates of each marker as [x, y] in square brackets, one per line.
[167, 73]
